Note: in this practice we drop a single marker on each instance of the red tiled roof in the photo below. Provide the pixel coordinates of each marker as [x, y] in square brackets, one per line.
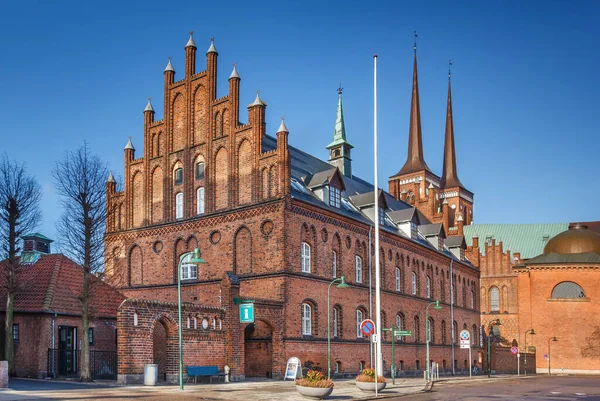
[54, 284]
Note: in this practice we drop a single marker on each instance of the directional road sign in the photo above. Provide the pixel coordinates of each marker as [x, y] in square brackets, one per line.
[368, 327]
[402, 333]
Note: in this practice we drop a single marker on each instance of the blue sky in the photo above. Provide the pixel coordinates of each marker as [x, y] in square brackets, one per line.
[525, 86]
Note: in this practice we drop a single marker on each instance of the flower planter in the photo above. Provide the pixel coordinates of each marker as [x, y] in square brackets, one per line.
[316, 393]
[370, 386]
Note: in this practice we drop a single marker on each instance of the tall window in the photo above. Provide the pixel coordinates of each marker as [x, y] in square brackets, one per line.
[335, 321]
[428, 287]
[443, 332]
[494, 299]
[381, 215]
[430, 331]
[305, 257]
[400, 326]
[179, 205]
[334, 264]
[91, 336]
[359, 319]
[455, 332]
[200, 200]
[472, 299]
[15, 333]
[442, 288]
[306, 320]
[334, 196]
[398, 279]
[414, 283]
[200, 170]
[453, 294]
[474, 335]
[178, 176]
[358, 269]
[189, 271]
[464, 295]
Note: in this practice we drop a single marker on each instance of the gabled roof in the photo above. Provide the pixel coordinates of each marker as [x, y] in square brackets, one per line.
[430, 230]
[456, 241]
[404, 215]
[528, 239]
[368, 199]
[325, 177]
[54, 283]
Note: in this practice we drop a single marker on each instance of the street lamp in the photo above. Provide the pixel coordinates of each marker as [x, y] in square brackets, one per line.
[532, 333]
[490, 325]
[195, 260]
[427, 336]
[550, 339]
[342, 284]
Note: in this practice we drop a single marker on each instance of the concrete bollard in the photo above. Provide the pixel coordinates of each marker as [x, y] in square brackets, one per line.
[3, 374]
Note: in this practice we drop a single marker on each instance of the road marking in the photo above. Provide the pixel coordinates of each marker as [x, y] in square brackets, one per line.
[554, 392]
[580, 394]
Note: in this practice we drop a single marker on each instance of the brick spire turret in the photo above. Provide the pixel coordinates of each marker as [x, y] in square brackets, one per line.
[449, 174]
[415, 160]
[190, 56]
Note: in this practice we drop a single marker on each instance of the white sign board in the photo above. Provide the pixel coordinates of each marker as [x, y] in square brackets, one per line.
[465, 339]
[293, 369]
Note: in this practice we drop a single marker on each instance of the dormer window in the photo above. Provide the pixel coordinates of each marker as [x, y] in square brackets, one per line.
[178, 176]
[335, 196]
[381, 217]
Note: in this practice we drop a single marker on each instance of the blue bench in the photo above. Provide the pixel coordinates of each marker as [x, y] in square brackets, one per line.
[203, 371]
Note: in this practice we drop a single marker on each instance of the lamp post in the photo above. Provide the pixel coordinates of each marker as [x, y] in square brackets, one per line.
[196, 260]
[342, 284]
[549, 340]
[427, 337]
[490, 325]
[532, 333]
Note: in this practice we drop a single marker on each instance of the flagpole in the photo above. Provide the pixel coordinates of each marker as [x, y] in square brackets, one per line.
[378, 359]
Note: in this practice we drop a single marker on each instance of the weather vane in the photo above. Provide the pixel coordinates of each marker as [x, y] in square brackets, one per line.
[449, 68]
[340, 89]
[415, 44]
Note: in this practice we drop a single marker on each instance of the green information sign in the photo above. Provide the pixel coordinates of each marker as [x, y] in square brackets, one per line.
[246, 313]
[403, 333]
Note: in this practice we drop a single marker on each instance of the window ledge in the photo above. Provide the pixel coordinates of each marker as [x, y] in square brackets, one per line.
[568, 300]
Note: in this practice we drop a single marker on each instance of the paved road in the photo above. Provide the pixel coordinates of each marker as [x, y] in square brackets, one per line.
[561, 388]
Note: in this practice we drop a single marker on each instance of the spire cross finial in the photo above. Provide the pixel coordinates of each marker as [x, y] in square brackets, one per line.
[212, 39]
[149, 98]
[170, 58]
[191, 33]
[415, 44]
[257, 93]
[282, 118]
[340, 89]
[234, 65]
[449, 69]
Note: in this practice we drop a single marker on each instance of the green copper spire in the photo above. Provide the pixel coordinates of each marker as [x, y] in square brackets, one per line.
[339, 149]
[339, 133]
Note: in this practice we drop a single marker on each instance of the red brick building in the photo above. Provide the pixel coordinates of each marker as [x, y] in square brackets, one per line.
[275, 226]
[47, 315]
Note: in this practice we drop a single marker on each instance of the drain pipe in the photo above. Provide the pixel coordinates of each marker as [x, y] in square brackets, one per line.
[370, 297]
[452, 316]
[53, 350]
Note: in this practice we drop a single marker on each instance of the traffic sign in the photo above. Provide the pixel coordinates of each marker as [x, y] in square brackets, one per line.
[367, 326]
[546, 356]
[465, 339]
[398, 333]
[374, 338]
[514, 350]
[246, 313]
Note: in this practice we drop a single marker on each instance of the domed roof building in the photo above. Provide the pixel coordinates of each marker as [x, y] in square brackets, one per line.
[559, 297]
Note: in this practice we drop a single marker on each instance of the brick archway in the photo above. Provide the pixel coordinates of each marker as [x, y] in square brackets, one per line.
[258, 349]
[159, 349]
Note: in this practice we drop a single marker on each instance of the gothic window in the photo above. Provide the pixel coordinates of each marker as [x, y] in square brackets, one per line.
[305, 255]
[335, 196]
[442, 288]
[431, 331]
[306, 320]
[472, 299]
[200, 170]
[494, 300]
[178, 176]
[455, 332]
[443, 332]
[428, 287]
[417, 332]
[334, 264]
[189, 271]
[568, 289]
[179, 205]
[337, 313]
[358, 263]
[474, 335]
[200, 200]
[464, 295]
[359, 319]
[398, 279]
[414, 283]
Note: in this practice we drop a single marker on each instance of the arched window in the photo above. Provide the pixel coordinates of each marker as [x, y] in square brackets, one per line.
[179, 205]
[494, 299]
[358, 261]
[337, 313]
[189, 271]
[306, 320]
[443, 332]
[417, 332]
[431, 331]
[400, 326]
[464, 295]
[361, 366]
[333, 264]
[200, 200]
[455, 332]
[398, 279]
[200, 170]
[178, 176]
[305, 257]
[472, 299]
[568, 289]
[442, 288]
[337, 367]
[359, 319]
[414, 283]
[428, 287]
[474, 335]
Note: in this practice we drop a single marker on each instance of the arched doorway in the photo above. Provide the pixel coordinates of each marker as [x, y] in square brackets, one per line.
[159, 345]
[258, 349]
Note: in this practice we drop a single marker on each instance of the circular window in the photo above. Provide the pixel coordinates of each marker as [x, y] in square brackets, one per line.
[215, 237]
[267, 227]
[157, 246]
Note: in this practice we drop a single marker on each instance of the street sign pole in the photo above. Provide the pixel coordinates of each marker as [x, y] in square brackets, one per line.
[393, 359]
[470, 363]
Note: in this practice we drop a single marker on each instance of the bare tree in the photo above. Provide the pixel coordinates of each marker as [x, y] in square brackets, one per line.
[20, 196]
[80, 181]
